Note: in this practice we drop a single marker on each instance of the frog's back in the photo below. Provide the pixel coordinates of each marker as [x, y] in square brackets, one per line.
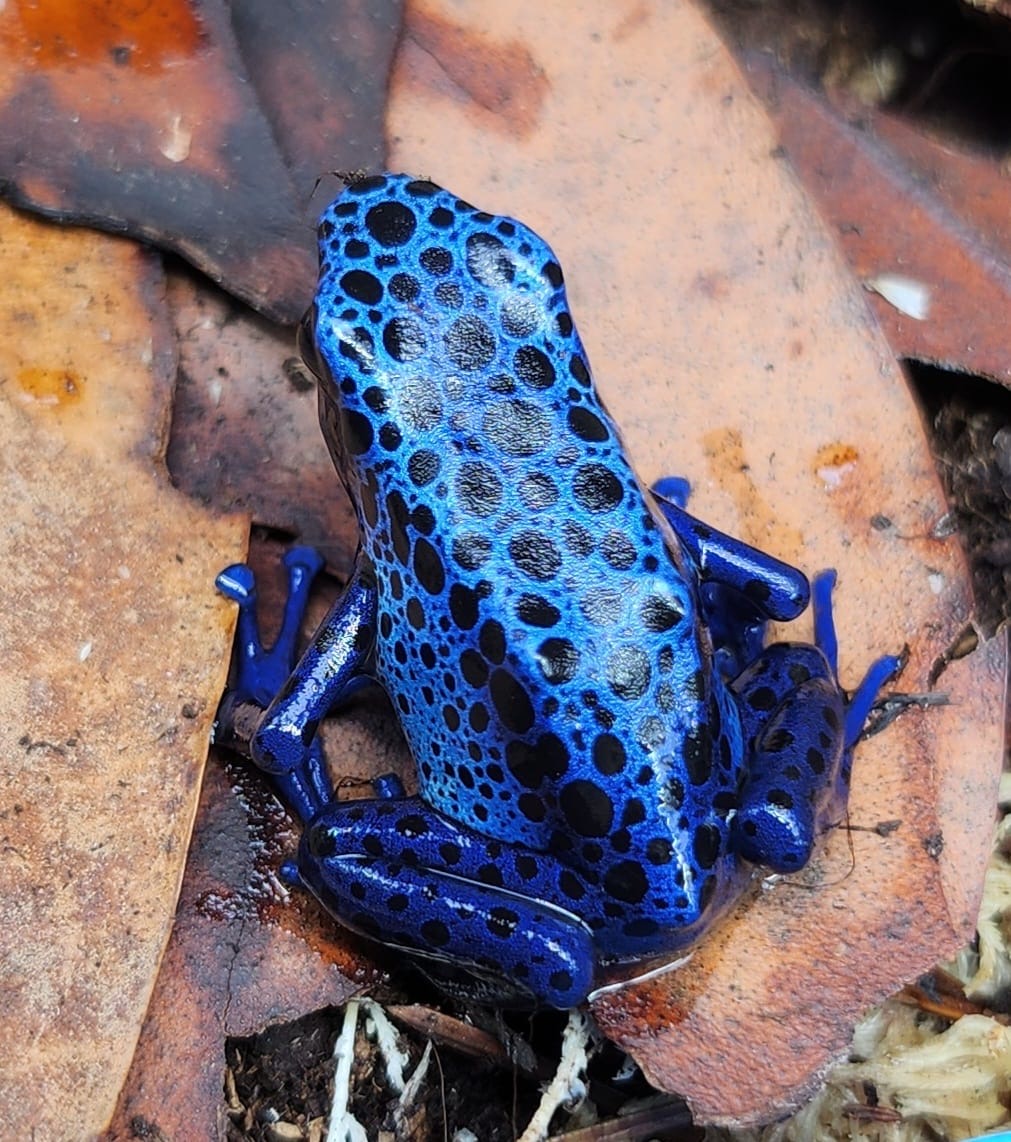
[538, 636]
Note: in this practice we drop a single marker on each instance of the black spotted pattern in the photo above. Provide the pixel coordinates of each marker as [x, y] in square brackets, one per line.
[548, 658]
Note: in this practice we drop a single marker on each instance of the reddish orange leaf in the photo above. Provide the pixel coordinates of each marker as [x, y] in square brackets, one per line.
[902, 203]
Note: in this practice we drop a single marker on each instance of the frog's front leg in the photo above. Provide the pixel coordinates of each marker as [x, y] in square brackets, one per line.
[405, 874]
[338, 658]
[274, 706]
[799, 732]
[741, 587]
[776, 590]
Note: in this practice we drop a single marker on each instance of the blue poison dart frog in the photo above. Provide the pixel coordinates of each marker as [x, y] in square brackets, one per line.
[604, 746]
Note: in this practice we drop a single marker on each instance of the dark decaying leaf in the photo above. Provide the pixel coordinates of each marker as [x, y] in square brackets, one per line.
[229, 969]
[146, 119]
[245, 431]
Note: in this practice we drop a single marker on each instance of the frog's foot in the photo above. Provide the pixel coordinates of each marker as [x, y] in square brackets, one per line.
[260, 673]
[799, 732]
[889, 666]
[792, 716]
[335, 664]
[398, 871]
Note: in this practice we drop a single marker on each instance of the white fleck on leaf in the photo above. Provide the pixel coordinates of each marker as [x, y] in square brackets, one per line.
[908, 295]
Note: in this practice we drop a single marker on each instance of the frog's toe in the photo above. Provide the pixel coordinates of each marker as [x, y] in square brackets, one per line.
[302, 560]
[388, 786]
[674, 489]
[303, 564]
[238, 583]
[884, 670]
[260, 672]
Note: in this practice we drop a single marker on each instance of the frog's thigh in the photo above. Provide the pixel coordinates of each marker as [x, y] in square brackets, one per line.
[402, 873]
[794, 765]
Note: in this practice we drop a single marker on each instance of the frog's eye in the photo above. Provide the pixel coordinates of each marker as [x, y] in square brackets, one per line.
[305, 339]
[321, 842]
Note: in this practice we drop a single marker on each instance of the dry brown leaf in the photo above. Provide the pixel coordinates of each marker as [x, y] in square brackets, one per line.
[997, 7]
[734, 349]
[114, 649]
[904, 204]
[320, 76]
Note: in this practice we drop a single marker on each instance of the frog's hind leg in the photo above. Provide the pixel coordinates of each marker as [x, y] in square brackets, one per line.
[792, 715]
[273, 707]
[402, 873]
[799, 732]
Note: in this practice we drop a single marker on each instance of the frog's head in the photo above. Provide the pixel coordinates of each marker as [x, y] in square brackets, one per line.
[427, 311]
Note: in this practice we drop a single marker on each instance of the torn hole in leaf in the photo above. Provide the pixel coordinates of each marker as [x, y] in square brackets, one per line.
[968, 420]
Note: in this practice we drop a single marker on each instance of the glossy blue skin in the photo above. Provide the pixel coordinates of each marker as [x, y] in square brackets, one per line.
[603, 745]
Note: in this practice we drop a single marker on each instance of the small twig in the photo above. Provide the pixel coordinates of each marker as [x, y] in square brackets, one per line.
[450, 1032]
[235, 725]
[568, 1087]
[388, 1043]
[344, 1127]
[409, 1093]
